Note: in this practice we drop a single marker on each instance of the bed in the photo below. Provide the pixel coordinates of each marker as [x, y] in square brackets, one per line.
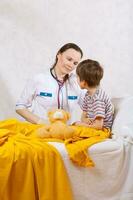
[110, 179]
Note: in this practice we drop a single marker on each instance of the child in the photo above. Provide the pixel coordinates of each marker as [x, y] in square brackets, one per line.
[97, 107]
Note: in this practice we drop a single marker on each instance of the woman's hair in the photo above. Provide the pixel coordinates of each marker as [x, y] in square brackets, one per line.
[90, 71]
[63, 49]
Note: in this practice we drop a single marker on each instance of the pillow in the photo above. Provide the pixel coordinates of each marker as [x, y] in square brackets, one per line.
[117, 101]
[123, 118]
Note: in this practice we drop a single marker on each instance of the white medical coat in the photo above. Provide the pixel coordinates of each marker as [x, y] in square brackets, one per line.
[41, 94]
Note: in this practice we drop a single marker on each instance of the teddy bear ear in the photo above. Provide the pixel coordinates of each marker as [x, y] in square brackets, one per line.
[49, 113]
[51, 110]
[68, 115]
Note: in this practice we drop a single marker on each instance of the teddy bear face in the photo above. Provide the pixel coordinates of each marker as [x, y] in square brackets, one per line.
[58, 115]
[58, 127]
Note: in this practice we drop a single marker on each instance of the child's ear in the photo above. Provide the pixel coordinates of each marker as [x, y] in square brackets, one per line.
[84, 83]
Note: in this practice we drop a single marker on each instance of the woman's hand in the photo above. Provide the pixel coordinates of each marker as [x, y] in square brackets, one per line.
[28, 116]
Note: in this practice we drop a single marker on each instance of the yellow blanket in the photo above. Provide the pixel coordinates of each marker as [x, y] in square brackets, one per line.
[77, 147]
[30, 169]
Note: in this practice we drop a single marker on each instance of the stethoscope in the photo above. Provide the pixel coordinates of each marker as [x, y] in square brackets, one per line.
[60, 84]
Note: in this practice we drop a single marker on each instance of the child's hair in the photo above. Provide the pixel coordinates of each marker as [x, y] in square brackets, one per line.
[90, 71]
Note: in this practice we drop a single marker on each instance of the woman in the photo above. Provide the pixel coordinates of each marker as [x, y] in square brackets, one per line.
[57, 88]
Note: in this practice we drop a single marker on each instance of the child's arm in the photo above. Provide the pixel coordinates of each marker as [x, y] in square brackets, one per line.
[97, 123]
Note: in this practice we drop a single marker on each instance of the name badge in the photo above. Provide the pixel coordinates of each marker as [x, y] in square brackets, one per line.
[72, 97]
[45, 94]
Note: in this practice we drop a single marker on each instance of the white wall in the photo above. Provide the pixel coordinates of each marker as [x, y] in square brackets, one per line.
[32, 31]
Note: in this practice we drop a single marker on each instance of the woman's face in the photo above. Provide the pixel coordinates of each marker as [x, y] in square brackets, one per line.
[67, 61]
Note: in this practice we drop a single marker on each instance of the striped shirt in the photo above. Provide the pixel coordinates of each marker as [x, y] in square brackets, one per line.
[98, 105]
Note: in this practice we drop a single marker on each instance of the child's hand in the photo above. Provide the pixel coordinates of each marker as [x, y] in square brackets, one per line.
[87, 120]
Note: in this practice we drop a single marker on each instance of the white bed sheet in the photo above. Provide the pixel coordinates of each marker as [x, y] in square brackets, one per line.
[112, 176]
[110, 179]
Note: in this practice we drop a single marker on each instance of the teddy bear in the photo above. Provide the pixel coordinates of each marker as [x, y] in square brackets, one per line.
[58, 127]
